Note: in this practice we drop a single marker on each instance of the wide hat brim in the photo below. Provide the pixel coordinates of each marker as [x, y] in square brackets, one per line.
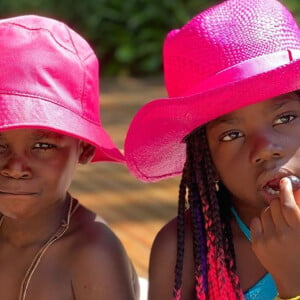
[21, 111]
[154, 146]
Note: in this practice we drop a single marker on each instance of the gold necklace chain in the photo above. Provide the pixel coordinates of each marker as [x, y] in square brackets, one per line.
[65, 223]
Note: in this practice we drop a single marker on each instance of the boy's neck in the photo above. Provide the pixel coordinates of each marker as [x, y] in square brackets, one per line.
[34, 230]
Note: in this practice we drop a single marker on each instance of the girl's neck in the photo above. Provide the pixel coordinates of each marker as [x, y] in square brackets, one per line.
[36, 229]
[246, 213]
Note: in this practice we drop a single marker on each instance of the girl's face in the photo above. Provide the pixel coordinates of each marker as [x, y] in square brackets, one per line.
[253, 147]
[36, 169]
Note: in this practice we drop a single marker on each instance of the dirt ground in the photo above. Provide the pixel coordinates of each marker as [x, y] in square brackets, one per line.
[134, 210]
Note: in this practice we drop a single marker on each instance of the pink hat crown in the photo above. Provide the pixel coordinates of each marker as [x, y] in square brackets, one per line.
[49, 78]
[223, 36]
[31, 44]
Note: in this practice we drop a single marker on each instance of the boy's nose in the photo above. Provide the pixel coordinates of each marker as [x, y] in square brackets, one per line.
[265, 148]
[16, 168]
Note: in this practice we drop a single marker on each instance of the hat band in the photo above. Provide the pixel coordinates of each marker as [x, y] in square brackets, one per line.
[245, 70]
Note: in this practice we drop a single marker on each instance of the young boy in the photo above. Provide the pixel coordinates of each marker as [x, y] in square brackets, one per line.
[51, 247]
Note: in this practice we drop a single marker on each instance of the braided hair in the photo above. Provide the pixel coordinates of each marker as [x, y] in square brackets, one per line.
[214, 258]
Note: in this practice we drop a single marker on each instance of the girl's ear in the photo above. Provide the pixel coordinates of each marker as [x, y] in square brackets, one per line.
[87, 152]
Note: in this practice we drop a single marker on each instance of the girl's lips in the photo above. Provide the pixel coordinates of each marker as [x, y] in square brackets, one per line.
[269, 195]
[271, 189]
[274, 183]
[272, 179]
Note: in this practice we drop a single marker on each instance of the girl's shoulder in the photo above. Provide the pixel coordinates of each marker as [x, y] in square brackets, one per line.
[166, 238]
[163, 260]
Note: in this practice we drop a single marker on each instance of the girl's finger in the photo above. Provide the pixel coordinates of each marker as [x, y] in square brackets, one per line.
[256, 229]
[277, 216]
[289, 207]
[268, 225]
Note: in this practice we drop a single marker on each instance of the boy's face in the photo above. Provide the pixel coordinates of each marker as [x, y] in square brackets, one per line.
[36, 169]
[253, 147]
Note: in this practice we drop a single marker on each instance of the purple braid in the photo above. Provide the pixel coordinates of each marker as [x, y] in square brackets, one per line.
[214, 258]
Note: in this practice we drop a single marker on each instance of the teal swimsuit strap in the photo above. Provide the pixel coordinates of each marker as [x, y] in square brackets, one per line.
[241, 224]
[265, 288]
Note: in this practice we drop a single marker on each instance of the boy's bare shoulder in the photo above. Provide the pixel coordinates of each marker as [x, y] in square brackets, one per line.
[89, 230]
[90, 236]
[99, 263]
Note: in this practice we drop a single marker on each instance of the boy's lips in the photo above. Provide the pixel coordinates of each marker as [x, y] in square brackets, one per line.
[17, 193]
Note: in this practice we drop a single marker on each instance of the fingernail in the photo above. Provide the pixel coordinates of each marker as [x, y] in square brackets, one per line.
[285, 182]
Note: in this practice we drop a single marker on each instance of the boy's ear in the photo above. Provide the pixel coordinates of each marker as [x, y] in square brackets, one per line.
[87, 153]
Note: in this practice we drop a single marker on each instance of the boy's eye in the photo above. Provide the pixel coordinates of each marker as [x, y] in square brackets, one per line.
[284, 119]
[3, 148]
[43, 146]
[230, 136]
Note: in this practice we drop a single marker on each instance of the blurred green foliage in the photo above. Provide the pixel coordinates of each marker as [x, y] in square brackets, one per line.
[127, 35]
[293, 6]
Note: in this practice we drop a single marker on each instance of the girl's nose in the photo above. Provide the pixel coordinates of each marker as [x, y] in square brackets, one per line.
[265, 147]
[16, 168]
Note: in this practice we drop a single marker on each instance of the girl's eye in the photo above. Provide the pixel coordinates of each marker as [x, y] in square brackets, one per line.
[43, 146]
[230, 136]
[284, 119]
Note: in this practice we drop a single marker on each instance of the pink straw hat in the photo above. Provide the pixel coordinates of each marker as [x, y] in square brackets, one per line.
[49, 79]
[234, 54]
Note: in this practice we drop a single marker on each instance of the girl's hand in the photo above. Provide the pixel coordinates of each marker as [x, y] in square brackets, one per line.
[276, 240]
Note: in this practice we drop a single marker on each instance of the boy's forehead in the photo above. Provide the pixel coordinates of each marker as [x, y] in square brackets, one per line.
[42, 133]
[33, 133]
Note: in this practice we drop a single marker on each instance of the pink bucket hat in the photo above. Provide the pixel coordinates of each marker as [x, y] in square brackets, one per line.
[49, 79]
[234, 54]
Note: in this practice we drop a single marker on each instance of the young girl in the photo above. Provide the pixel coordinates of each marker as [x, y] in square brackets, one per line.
[231, 125]
[51, 247]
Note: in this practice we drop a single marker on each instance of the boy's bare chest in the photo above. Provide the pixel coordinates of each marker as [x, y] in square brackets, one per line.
[50, 279]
